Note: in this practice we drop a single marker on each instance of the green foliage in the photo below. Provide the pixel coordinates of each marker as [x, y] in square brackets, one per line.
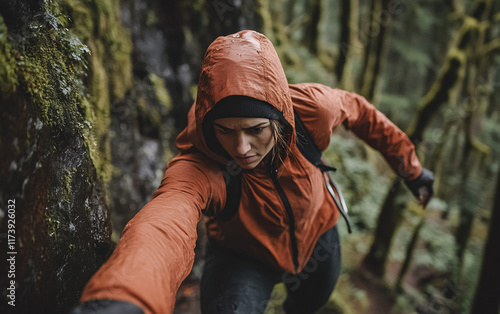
[426, 17]
[347, 299]
[362, 184]
[440, 248]
[419, 61]
[160, 91]
[472, 265]
[396, 108]
[402, 305]
[305, 68]
[401, 240]
[490, 134]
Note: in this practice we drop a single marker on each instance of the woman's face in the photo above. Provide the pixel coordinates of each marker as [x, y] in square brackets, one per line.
[247, 140]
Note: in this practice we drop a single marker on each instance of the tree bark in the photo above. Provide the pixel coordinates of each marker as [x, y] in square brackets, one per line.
[312, 28]
[409, 255]
[486, 299]
[55, 145]
[290, 11]
[387, 223]
[374, 35]
[347, 42]
[473, 149]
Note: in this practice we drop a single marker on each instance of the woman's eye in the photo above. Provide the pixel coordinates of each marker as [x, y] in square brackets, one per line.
[223, 130]
[256, 130]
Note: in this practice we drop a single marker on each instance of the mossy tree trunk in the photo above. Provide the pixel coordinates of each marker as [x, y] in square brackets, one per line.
[347, 43]
[450, 76]
[55, 148]
[387, 222]
[473, 108]
[398, 287]
[290, 11]
[278, 31]
[312, 32]
[373, 36]
[486, 296]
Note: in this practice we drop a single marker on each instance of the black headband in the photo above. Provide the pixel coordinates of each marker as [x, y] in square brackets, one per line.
[243, 106]
[237, 106]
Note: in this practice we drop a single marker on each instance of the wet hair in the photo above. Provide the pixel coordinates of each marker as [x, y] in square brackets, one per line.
[282, 135]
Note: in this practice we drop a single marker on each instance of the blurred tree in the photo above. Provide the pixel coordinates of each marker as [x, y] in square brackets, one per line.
[374, 36]
[449, 78]
[311, 34]
[347, 43]
[276, 11]
[474, 152]
[410, 249]
[486, 300]
[289, 8]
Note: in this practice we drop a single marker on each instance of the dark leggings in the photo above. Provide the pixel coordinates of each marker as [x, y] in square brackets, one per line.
[234, 283]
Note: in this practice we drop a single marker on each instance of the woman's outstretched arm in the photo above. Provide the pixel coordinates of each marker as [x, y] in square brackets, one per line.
[322, 109]
[156, 250]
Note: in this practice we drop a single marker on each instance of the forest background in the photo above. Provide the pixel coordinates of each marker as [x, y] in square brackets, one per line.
[93, 93]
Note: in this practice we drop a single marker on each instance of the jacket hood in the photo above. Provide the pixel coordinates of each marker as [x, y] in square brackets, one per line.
[244, 63]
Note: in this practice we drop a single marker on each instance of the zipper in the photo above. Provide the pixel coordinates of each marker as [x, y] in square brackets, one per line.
[291, 218]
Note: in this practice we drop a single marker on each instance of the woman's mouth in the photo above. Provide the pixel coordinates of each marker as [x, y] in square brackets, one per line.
[247, 159]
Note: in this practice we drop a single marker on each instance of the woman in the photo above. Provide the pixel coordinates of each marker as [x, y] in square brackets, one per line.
[284, 227]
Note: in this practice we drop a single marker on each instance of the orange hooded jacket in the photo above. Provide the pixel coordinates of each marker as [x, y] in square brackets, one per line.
[156, 249]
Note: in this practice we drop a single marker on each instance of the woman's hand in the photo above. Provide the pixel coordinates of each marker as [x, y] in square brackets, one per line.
[421, 187]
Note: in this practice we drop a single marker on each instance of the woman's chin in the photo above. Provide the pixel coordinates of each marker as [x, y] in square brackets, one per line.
[247, 166]
[249, 162]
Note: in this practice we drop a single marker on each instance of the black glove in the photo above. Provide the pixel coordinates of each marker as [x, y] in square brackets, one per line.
[108, 307]
[421, 187]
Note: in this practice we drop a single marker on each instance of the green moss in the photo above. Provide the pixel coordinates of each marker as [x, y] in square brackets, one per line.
[51, 68]
[265, 19]
[100, 108]
[111, 73]
[98, 25]
[55, 217]
[149, 117]
[68, 178]
[73, 63]
[151, 19]
[118, 46]
[161, 93]
[8, 65]
[52, 225]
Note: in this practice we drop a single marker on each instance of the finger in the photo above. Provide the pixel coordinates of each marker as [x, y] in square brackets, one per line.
[424, 196]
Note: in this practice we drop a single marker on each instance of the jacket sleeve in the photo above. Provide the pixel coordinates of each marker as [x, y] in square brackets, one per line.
[323, 108]
[156, 250]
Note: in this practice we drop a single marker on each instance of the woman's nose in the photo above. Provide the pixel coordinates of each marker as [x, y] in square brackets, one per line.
[242, 144]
